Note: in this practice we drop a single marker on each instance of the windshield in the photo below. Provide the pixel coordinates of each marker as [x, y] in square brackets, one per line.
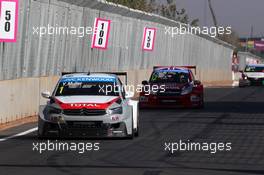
[169, 77]
[74, 88]
[254, 69]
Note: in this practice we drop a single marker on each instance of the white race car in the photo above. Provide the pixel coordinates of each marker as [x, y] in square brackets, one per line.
[252, 75]
[89, 105]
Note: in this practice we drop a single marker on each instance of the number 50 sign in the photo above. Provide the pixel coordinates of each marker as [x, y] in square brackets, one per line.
[8, 20]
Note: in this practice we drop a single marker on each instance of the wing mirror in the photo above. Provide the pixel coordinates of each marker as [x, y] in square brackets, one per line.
[197, 82]
[129, 95]
[46, 94]
[145, 82]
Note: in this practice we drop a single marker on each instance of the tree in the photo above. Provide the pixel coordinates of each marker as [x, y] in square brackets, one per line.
[168, 9]
[134, 4]
[232, 39]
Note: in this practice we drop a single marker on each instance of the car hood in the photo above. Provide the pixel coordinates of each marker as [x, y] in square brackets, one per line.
[255, 74]
[85, 99]
[171, 86]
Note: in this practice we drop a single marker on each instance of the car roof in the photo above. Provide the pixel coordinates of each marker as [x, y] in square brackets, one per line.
[173, 69]
[91, 75]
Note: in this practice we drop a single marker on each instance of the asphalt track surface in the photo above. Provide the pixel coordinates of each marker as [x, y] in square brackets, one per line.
[230, 115]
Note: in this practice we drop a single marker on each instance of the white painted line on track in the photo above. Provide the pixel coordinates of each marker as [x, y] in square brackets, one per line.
[19, 134]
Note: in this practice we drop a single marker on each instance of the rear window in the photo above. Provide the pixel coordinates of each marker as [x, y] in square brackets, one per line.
[170, 76]
[77, 87]
[254, 69]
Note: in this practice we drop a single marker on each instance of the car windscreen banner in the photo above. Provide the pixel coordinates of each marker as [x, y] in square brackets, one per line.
[148, 39]
[8, 20]
[101, 33]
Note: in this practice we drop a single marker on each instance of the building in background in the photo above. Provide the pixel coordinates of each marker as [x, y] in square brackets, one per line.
[253, 45]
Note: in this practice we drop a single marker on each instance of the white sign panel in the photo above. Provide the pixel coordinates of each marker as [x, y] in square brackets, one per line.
[8, 20]
[148, 39]
[101, 33]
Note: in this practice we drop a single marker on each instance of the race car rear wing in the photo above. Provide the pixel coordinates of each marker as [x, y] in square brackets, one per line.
[116, 73]
[88, 73]
[188, 67]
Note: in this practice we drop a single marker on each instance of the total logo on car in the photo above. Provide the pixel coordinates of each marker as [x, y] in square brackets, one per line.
[252, 75]
[177, 87]
[80, 107]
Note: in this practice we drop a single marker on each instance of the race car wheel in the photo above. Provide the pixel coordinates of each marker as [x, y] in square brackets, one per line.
[201, 105]
[136, 130]
[131, 136]
[42, 135]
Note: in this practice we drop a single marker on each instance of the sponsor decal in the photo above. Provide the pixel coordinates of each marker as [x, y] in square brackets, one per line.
[101, 33]
[87, 79]
[8, 20]
[85, 105]
[148, 39]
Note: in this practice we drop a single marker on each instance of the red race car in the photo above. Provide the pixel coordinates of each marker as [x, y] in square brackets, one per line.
[172, 86]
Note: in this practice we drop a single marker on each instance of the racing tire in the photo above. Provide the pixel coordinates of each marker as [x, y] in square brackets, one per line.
[131, 136]
[136, 131]
[45, 134]
[42, 135]
[201, 106]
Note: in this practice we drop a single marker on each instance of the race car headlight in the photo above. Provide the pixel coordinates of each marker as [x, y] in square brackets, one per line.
[53, 110]
[117, 110]
[186, 90]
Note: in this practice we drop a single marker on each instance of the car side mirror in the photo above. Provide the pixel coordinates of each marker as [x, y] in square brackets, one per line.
[145, 82]
[46, 94]
[197, 82]
[129, 95]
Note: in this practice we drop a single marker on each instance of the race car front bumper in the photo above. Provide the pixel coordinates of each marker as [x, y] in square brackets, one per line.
[256, 81]
[153, 101]
[61, 125]
[82, 129]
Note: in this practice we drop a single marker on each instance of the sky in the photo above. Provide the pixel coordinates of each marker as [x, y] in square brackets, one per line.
[239, 14]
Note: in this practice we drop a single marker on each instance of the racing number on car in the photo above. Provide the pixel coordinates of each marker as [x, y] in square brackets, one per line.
[8, 20]
[101, 33]
[148, 39]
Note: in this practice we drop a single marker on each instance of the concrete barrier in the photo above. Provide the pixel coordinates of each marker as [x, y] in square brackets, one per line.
[21, 97]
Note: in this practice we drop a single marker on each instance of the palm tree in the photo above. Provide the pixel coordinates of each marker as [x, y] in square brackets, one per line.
[212, 13]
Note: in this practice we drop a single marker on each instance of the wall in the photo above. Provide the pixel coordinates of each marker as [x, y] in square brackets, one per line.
[34, 56]
[21, 97]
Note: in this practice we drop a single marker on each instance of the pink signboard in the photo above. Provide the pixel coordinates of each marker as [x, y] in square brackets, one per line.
[101, 33]
[259, 45]
[8, 20]
[148, 39]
